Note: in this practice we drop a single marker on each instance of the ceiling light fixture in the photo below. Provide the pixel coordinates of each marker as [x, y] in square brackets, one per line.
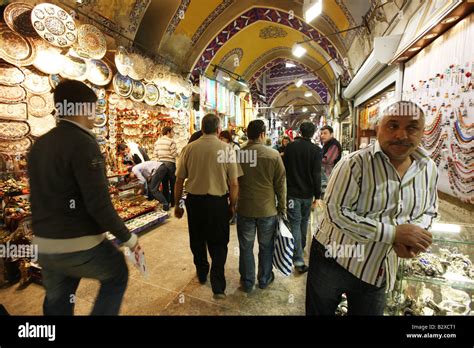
[304, 109]
[290, 65]
[403, 58]
[226, 78]
[431, 36]
[298, 50]
[450, 20]
[299, 83]
[312, 9]
[308, 94]
[414, 49]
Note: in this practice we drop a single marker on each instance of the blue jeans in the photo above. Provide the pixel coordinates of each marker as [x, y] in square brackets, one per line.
[266, 229]
[63, 272]
[299, 211]
[327, 281]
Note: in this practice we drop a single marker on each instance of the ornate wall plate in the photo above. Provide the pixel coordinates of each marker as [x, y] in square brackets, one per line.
[99, 72]
[41, 125]
[74, 68]
[100, 120]
[36, 82]
[12, 94]
[178, 104]
[10, 75]
[14, 48]
[152, 94]
[49, 59]
[54, 80]
[40, 105]
[13, 111]
[14, 130]
[54, 25]
[122, 85]
[123, 61]
[138, 91]
[186, 102]
[138, 69]
[15, 147]
[90, 42]
[114, 99]
[101, 106]
[17, 15]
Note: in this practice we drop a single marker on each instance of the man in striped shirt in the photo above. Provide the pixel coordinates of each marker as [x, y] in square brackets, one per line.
[379, 204]
[165, 151]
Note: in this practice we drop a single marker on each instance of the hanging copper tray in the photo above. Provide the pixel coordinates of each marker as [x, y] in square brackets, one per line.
[54, 25]
[14, 48]
[99, 72]
[122, 85]
[17, 15]
[41, 125]
[90, 42]
[14, 130]
[74, 68]
[13, 111]
[152, 94]
[49, 59]
[15, 147]
[12, 94]
[123, 61]
[40, 105]
[138, 91]
[10, 75]
[36, 82]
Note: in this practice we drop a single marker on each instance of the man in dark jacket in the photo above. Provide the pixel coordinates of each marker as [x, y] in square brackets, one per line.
[133, 156]
[71, 209]
[303, 176]
[332, 152]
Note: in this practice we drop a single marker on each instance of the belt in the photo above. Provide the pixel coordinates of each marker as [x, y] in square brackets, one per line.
[208, 195]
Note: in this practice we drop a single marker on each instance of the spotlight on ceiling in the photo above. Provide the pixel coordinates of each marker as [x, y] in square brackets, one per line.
[304, 109]
[312, 9]
[308, 94]
[226, 78]
[298, 50]
[299, 83]
[290, 65]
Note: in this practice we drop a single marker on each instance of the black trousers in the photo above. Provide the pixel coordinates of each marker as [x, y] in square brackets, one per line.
[208, 223]
[169, 181]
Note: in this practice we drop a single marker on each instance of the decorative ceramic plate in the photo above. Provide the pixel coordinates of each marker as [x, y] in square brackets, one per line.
[100, 120]
[99, 73]
[17, 15]
[13, 111]
[178, 104]
[10, 75]
[36, 82]
[15, 147]
[40, 105]
[138, 69]
[100, 132]
[99, 92]
[12, 94]
[123, 61]
[54, 80]
[138, 91]
[14, 48]
[122, 85]
[90, 42]
[74, 68]
[49, 59]
[186, 102]
[169, 99]
[54, 25]
[163, 94]
[114, 98]
[152, 94]
[129, 104]
[13, 130]
[41, 125]
[101, 106]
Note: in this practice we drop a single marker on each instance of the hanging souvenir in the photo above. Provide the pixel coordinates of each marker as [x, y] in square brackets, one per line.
[152, 94]
[138, 91]
[13, 111]
[49, 59]
[14, 48]
[123, 61]
[122, 85]
[13, 130]
[100, 120]
[99, 72]
[15, 147]
[36, 82]
[90, 42]
[114, 98]
[54, 80]
[54, 25]
[177, 102]
[41, 125]
[74, 68]
[12, 94]
[10, 75]
[17, 16]
[40, 105]
[101, 106]
[138, 69]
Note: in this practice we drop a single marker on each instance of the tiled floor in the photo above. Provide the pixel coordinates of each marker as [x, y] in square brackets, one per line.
[173, 289]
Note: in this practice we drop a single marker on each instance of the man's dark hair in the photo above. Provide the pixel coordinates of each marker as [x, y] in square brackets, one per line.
[195, 136]
[210, 124]
[121, 147]
[255, 128]
[166, 130]
[72, 91]
[329, 128]
[307, 129]
[226, 134]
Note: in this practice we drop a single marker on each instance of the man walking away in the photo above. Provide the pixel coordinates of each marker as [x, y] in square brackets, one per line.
[165, 151]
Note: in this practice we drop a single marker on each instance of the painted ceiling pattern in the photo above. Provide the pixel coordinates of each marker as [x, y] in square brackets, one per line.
[272, 31]
[212, 16]
[179, 15]
[236, 51]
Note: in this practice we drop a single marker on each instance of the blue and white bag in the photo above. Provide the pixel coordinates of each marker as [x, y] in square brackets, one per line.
[284, 248]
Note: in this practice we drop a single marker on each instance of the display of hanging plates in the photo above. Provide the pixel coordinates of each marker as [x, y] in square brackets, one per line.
[14, 48]
[138, 69]
[100, 120]
[10, 75]
[12, 94]
[152, 94]
[114, 99]
[40, 105]
[13, 130]
[129, 104]
[54, 25]
[169, 99]
[138, 91]
[41, 125]
[49, 59]
[13, 111]
[101, 132]
[101, 106]
[36, 82]
[99, 73]
[15, 147]
[74, 68]
[186, 102]
[54, 80]
[17, 15]
[123, 61]
[90, 42]
[122, 85]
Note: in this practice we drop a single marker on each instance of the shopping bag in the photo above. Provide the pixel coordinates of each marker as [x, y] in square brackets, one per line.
[284, 248]
[137, 259]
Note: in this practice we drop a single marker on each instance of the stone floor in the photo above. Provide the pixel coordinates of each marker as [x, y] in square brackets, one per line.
[173, 289]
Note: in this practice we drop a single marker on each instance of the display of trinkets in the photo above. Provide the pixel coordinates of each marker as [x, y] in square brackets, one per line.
[54, 25]
[12, 186]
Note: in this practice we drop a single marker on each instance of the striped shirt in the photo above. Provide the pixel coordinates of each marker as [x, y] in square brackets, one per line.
[365, 201]
[165, 150]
